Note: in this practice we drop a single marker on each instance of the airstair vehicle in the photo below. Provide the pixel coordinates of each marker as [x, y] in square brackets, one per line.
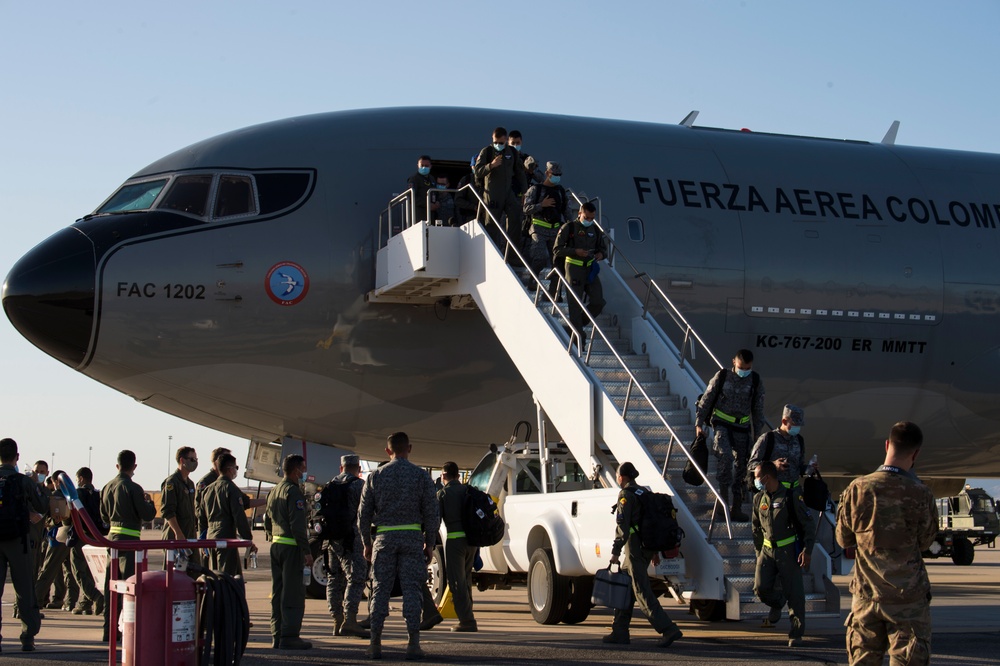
[621, 390]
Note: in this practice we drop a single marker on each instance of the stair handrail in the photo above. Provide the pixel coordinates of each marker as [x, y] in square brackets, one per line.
[651, 286]
[633, 380]
[576, 335]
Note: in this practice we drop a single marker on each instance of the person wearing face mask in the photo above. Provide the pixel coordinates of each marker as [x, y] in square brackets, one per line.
[783, 537]
[546, 209]
[733, 404]
[177, 502]
[500, 171]
[223, 505]
[447, 211]
[39, 473]
[890, 517]
[783, 446]
[421, 183]
[577, 247]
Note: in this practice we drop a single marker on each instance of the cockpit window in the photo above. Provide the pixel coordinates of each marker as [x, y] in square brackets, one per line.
[188, 194]
[235, 197]
[133, 196]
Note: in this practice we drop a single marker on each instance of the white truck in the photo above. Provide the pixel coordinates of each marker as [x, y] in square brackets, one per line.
[560, 530]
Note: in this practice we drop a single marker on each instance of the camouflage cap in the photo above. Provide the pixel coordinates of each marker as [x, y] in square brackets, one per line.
[628, 470]
[794, 414]
[554, 167]
[349, 460]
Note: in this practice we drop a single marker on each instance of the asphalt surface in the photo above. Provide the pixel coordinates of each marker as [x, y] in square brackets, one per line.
[965, 611]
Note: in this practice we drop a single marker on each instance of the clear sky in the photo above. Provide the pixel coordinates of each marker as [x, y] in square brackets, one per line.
[92, 92]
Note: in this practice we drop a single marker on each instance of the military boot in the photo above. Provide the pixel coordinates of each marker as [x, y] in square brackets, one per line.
[350, 627]
[374, 650]
[366, 623]
[413, 650]
[338, 624]
[735, 513]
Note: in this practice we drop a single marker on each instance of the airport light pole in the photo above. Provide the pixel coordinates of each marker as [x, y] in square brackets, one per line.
[170, 446]
[90, 455]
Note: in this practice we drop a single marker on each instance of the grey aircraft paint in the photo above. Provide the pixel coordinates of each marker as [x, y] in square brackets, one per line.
[863, 276]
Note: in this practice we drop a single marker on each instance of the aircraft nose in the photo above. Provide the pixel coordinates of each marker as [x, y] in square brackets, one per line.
[49, 295]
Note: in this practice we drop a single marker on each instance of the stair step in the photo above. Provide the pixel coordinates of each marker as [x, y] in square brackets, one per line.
[617, 374]
[602, 359]
[752, 607]
[660, 389]
[664, 404]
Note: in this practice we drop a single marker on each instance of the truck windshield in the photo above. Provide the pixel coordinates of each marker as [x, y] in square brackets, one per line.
[133, 196]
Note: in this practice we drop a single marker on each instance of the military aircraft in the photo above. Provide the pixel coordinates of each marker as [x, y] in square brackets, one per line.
[226, 283]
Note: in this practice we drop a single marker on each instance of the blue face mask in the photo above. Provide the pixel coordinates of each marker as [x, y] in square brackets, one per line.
[587, 223]
[758, 485]
[423, 171]
[498, 147]
[743, 373]
[441, 187]
[555, 179]
[794, 430]
[516, 147]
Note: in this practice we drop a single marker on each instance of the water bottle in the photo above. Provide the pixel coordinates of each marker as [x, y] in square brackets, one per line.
[253, 560]
[306, 576]
[812, 464]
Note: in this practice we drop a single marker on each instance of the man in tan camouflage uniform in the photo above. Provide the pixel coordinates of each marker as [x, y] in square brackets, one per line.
[399, 500]
[733, 404]
[891, 606]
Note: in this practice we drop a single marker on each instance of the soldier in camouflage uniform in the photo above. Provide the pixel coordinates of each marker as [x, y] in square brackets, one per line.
[733, 404]
[223, 506]
[787, 448]
[349, 568]
[285, 522]
[399, 501]
[124, 507]
[892, 594]
[546, 209]
[637, 560]
[16, 552]
[459, 556]
[781, 524]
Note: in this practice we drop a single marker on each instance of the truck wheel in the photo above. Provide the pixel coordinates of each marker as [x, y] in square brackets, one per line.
[320, 576]
[548, 592]
[581, 589]
[437, 581]
[962, 552]
[711, 610]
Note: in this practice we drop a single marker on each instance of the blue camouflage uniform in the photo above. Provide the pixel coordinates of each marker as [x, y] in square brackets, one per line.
[736, 418]
[399, 500]
[348, 566]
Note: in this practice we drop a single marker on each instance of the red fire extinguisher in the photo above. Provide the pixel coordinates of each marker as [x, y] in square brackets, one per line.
[164, 641]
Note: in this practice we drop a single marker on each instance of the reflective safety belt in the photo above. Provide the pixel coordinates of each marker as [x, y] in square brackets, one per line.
[398, 528]
[784, 542]
[579, 262]
[542, 223]
[735, 420]
[117, 529]
[456, 535]
[288, 541]
[790, 484]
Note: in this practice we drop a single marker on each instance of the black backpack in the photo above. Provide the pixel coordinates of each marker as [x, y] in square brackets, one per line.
[334, 513]
[14, 521]
[481, 519]
[91, 500]
[658, 526]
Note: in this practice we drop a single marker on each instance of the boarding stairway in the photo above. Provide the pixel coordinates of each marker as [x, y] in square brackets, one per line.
[626, 391]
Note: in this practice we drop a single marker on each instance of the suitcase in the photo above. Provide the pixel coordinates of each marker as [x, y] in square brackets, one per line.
[612, 589]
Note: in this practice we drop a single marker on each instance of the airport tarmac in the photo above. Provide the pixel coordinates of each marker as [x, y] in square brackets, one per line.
[965, 611]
